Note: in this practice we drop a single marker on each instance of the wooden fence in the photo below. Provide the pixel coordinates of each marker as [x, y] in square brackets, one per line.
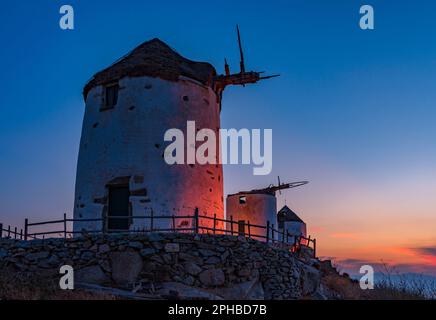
[266, 233]
[12, 233]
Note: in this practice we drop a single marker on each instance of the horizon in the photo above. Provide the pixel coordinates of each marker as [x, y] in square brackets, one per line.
[352, 112]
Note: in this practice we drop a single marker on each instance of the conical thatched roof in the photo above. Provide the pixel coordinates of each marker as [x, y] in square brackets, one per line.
[153, 58]
[286, 214]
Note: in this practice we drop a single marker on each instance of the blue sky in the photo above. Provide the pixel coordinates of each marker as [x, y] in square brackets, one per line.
[353, 110]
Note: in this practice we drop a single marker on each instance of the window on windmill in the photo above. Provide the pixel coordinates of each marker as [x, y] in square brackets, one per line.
[111, 95]
[242, 200]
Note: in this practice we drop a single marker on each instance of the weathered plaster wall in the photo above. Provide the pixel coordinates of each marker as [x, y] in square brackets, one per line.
[295, 228]
[258, 209]
[128, 141]
[206, 266]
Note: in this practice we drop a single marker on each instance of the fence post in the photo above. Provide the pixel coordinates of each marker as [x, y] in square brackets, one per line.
[196, 220]
[267, 231]
[9, 232]
[272, 232]
[314, 248]
[1, 230]
[26, 228]
[174, 223]
[65, 225]
[241, 228]
[21, 234]
[231, 224]
[105, 223]
[214, 223]
[249, 229]
[15, 233]
[151, 220]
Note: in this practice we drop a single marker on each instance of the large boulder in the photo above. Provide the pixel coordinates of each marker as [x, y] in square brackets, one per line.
[212, 277]
[91, 275]
[192, 268]
[126, 267]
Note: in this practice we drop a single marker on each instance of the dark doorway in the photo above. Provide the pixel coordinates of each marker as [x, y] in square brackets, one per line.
[119, 208]
[241, 227]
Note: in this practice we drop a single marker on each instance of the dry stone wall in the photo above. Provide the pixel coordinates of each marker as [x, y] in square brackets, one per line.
[170, 265]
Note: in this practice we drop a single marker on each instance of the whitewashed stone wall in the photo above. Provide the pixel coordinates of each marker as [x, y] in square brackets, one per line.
[128, 141]
[258, 209]
[295, 229]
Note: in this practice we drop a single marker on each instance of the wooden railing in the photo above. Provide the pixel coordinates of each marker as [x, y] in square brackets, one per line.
[266, 233]
[11, 233]
[301, 241]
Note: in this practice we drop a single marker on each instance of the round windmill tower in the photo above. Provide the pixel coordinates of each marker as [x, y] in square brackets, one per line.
[121, 171]
[257, 207]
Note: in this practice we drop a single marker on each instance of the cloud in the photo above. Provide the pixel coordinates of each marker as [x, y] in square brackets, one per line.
[356, 261]
[352, 266]
[425, 251]
[426, 254]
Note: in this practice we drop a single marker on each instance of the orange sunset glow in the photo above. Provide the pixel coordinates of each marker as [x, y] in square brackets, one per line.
[373, 222]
